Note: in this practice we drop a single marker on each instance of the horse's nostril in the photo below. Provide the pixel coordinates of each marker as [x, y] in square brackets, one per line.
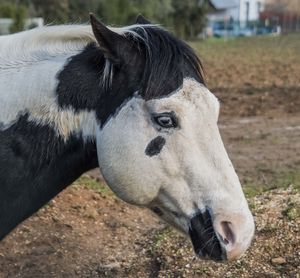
[158, 211]
[176, 214]
[226, 233]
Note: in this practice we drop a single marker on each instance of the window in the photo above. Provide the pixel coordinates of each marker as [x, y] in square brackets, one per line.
[247, 11]
[258, 7]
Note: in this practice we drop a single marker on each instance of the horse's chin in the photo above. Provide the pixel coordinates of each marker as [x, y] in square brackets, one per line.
[200, 230]
[209, 250]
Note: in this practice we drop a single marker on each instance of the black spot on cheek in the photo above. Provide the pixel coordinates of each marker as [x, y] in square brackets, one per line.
[155, 146]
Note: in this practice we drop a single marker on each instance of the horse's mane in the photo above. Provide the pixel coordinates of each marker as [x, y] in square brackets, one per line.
[164, 52]
[167, 59]
[50, 40]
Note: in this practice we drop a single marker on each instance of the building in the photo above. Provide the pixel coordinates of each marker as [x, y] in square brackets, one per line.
[6, 23]
[282, 13]
[242, 11]
[224, 10]
[230, 18]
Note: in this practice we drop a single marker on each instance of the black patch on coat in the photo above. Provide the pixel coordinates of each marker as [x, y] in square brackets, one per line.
[35, 165]
[155, 146]
[155, 70]
[81, 84]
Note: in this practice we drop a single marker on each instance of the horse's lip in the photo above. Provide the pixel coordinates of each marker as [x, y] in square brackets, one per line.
[205, 241]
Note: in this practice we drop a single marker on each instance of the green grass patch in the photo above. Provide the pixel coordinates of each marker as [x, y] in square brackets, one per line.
[292, 211]
[98, 186]
[161, 237]
[273, 43]
[252, 190]
[280, 180]
[286, 179]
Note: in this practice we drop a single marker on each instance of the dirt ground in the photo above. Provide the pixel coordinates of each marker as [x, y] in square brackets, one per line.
[87, 232]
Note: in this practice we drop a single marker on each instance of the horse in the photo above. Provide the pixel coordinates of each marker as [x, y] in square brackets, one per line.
[131, 100]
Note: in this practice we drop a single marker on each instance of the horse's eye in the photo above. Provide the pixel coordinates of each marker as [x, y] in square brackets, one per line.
[166, 120]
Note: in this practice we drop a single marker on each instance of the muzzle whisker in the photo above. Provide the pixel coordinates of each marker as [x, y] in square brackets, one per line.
[206, 230]
[214, 245]
[207, 243]
[206, 221]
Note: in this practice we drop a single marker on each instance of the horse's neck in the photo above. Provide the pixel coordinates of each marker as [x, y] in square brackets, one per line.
[46, 143]
[31, 87]
[35, 165]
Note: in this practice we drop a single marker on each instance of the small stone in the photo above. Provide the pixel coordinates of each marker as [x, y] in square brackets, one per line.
[91, 213]
[113, 265]
[278, 261]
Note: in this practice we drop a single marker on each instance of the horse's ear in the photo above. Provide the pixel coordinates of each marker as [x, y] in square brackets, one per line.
[142, 20]
[114, 46]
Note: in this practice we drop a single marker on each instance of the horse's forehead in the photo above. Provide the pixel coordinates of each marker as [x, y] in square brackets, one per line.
[194, 92]
[190, 94]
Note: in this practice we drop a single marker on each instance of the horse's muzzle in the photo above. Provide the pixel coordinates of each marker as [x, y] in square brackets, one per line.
[205, 241]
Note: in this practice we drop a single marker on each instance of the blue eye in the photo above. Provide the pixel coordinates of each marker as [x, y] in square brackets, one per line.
[166, 120]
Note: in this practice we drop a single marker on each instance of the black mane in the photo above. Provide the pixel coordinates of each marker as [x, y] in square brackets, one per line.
[167, 61]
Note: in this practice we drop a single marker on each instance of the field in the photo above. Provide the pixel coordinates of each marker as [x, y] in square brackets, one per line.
[87, 232]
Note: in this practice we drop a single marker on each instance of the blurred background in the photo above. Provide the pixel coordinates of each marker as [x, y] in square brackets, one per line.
[251, 55]
[189, 19]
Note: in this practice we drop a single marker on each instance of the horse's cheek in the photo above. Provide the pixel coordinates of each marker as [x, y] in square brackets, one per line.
[125, 166]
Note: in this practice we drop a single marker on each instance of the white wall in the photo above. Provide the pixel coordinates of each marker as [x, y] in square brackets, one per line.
[253, 13]
[5, 24]
[226, 15]
[239, 13]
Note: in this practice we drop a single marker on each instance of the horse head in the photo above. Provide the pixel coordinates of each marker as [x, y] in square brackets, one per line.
[161, 147]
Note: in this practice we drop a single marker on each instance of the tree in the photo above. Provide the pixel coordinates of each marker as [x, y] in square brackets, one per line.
[6, 10]
[17, 13]
[189, 17]
[19, 16]
[79, 9]
[185, 17]
[53, 11]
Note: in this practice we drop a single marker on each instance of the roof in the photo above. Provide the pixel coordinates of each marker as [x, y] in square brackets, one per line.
[224, 4]
[207, 2]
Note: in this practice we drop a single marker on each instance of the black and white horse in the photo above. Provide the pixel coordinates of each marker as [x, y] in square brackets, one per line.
[131, 100]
